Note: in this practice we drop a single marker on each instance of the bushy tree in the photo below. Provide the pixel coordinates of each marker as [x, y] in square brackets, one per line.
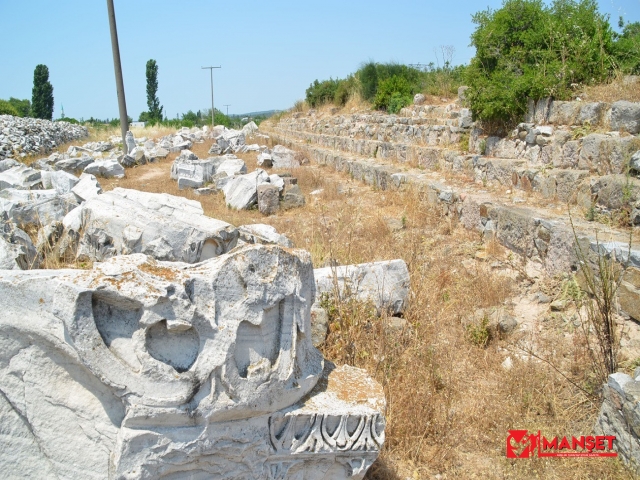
[7, 109]
[42, 94]
[153, 103]
[627, 47]
[22, 106]
[527, 49]
[393, 94]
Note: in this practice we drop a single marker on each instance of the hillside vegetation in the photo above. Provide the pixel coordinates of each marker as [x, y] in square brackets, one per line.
[526, 49]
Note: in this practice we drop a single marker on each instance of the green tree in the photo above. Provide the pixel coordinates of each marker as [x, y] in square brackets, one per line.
[153, 103]
[527, 49]
[22, 106]
[7, 109]
[42, 94]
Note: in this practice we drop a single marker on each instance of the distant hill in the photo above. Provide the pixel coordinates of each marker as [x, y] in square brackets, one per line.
[265, 113]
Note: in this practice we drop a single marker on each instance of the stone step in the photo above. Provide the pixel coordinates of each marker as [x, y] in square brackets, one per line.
[567, 185]
[541, 234]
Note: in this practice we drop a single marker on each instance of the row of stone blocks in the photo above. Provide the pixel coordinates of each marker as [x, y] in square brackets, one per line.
[548, 242]
[567, 185]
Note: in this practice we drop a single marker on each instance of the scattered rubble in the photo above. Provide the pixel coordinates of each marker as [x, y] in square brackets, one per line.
[20, 137]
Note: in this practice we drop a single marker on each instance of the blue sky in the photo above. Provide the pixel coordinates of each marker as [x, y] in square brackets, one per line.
[269, 51]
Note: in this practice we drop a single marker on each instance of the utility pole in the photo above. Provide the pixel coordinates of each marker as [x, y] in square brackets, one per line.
[212, 108]
[122, 104]
[228, 109]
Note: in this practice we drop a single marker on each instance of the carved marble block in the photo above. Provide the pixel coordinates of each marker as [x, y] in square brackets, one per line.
[141, 369]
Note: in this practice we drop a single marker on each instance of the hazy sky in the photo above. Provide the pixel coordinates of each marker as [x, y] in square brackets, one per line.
[270, 51]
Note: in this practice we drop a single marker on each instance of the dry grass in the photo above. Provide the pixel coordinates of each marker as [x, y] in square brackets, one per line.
[450, 402]
[617, 89]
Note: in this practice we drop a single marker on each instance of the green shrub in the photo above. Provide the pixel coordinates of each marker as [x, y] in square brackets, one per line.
[529, 50]
[7, 109]
[396, 88]
[344, 90]
[320, 93]
[627, 48]
[23, 107]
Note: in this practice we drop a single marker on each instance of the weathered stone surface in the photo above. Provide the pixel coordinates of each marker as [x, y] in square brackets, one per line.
[130, 141]
[319, 325]
[87, 187]
[122, 222]
[282, 157]
[143, 369]
[17, 252]
[21, 177]
[264, 160]
[109, 168]
[418, 99]
[263, 234]
[268, 199]
[193, 173]
[384, 284]
[629, 293]
[232, 165]
[241, 192]
[8, 163]
[292, 196]
[60, 181]
[625, 116]
[73, 164]
[250, 128]
[620, 417]
[35, 207]
[277, 180]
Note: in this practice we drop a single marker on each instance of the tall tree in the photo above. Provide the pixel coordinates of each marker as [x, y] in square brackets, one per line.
[155, 110]
[42, 94]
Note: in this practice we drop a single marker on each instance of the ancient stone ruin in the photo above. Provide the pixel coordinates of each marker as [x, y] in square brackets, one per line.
[147, 369]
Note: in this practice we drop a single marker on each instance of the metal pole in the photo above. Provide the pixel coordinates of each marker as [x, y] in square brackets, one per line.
[212, 107]
[122, 103]
[228, 109]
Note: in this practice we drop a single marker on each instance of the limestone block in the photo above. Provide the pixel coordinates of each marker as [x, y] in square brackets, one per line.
[384, 284]
[282, 157]
[109, 168]
[264, 234]
[17, 252]
[625, 116]
[21, 177]
[35, 207]
[250, 128]
[193, 173]
[592, 113]
[87, 187]
[615, 191]
[241, 192]
[144, 369]
[121, 222]
[73, 164]
[292, 197]
[232, 165]
[629, 292]
[8, 163]
[60, 181]
[277, 180]
[268, 199]
[564, 113]
[264, 160]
